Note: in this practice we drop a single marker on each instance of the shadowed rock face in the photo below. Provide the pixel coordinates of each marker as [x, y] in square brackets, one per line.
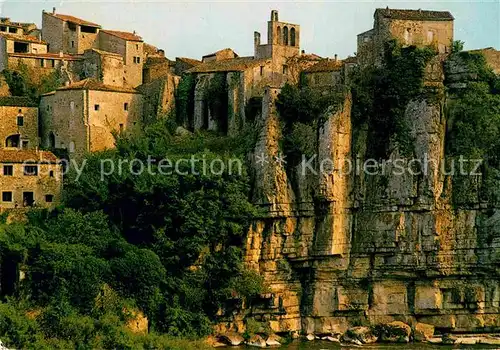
[341, 250]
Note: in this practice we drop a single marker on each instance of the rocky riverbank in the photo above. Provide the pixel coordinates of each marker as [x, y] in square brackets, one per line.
[394, 332]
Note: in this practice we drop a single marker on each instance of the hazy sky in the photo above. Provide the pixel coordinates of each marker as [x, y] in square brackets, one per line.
[195, 28]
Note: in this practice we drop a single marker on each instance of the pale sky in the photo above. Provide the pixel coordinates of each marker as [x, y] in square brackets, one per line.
[195, 28]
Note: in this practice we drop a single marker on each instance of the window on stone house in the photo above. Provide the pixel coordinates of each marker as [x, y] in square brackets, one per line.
[72, 44]
[125, 106]
[8, 170]
[51, 173]
[72, 106]
[121, 128]
[3, 29]
[279, 35]
[25, 144]
[7, 196]
[49, 198]
[30, 170]
[285, 69]
[12, 30]
[285, 36]
[96, 107]
[261, 70]
[20, 120]
[430, 36]
[53, 63]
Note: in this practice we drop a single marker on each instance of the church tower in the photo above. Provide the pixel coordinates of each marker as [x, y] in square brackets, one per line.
[283, 39]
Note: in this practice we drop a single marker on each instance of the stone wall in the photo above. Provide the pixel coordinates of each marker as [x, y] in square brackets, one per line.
[52, 33]
[112, 116]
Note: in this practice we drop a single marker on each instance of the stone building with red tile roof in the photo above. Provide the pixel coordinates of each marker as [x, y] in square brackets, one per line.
[29, 178]
[83, 116]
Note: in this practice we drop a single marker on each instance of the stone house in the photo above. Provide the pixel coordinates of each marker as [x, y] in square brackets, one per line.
[421, 28]
[18, 123]
[29, 178]
[325, 74]
[329, 73]
[82, 117]
[6, 26]
[183, 64]
[492, 58]
[18, 50]
[131, 47]
[68, 34]
[224, 54]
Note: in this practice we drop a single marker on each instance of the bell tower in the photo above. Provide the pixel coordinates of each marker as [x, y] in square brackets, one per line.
[283, 39]
[282, 33]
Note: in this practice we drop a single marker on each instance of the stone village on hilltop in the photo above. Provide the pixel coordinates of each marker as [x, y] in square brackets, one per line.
[112, 81]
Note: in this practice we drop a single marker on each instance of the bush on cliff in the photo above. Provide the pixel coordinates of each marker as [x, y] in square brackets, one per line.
[381, 94]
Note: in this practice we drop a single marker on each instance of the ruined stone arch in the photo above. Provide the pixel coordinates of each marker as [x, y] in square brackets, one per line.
[285, 35]
[292, 37]
[279, 35]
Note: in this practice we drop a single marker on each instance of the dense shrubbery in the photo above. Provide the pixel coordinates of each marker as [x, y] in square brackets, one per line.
[169, 246]
[301, 109]
[474, 129]
[381, 94]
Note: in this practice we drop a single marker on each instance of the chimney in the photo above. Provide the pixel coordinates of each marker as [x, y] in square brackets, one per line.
[53, 10]
[335, 57]
[134, 32]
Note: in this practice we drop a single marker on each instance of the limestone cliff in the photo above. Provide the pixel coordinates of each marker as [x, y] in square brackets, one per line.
[340, 248]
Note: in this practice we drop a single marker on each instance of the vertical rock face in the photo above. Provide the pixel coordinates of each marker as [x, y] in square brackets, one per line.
[341, 246]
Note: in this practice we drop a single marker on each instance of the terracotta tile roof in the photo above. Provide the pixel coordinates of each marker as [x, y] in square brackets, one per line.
[326, 65]
[92, 84]
[417, 15]
[123, 35]
[153, 61]
[54, 56]
[187, 60]
[72, 19]
[221, 51]
[16, 101]
[28, 156]
[230, 65]
[22, 38]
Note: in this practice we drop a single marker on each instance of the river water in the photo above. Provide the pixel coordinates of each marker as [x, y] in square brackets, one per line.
[324, 345]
